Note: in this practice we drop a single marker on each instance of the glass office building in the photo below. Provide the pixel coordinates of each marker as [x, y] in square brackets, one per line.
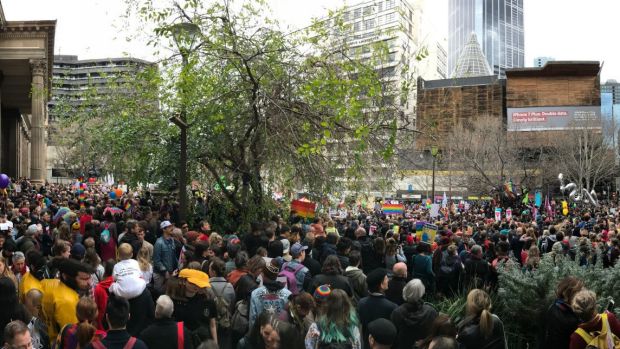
[498, 25]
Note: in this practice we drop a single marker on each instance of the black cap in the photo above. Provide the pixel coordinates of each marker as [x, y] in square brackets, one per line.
[383, 331]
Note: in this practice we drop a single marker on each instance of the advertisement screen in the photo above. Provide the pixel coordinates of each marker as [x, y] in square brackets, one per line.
[553, 118]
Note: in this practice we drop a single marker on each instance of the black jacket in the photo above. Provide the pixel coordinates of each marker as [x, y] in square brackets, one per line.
[313, 265]
[477, 273]
[413, 322]
[469, 335]
[395, 290]
[561, 323]
[142, 311]
[371, 308]
[163, 334]
[116, 339]
[339, 282]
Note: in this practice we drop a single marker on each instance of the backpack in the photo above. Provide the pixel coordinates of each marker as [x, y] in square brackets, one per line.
[129, 345]
[291, 279]
[604, 339]
[105, 234]
[223, 309]
[239, 321]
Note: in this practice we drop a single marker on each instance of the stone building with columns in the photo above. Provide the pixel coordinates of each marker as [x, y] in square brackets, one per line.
[26, 56]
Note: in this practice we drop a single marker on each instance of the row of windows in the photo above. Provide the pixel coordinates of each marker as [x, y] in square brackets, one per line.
[369, 10]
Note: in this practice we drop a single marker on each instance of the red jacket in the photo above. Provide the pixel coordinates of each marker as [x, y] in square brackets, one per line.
[101, 298]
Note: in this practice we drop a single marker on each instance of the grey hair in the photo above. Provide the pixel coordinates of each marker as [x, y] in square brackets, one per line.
[18, 255]
[476, 250]
[413, 291]
[164, 307]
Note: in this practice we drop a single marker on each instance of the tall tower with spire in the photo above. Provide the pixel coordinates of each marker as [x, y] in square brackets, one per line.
[498, 25]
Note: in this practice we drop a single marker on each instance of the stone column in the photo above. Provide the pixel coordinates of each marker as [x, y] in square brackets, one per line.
[38, 149]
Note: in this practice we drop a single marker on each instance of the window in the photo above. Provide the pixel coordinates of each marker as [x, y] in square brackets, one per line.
[367, 10]
[369, 24]
[346, 16]
[357, 26]
[357, 13]
[389, 17]
[389, 4]
[380, 20]
[380, 6]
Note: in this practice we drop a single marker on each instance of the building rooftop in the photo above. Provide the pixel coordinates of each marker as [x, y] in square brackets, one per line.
[460, 82]
[472, 61]
[558, 68]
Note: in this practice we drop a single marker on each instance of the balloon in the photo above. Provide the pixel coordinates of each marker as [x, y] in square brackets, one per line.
[118, 192]
[4, 181]
[112, 195]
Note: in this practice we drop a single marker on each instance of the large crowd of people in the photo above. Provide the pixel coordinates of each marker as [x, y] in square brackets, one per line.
[80, 269]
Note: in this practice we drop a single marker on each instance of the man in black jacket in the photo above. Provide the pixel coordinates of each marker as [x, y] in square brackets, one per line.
[117, 315]
[375, 306]
[163, 333]
[395, 287]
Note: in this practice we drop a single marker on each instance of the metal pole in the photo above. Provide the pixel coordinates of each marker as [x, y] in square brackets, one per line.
[183, 155]
[433, 184]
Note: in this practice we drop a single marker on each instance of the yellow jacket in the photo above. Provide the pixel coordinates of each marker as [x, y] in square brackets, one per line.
[28, 283]
[59, 305]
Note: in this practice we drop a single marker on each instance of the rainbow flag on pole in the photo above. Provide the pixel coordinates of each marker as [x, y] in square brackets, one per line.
[304, 209]
[393, 209]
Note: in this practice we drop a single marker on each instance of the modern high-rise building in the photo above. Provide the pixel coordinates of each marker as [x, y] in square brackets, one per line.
[540, 62]
[610, 111]
[498, 24]
[73, 82]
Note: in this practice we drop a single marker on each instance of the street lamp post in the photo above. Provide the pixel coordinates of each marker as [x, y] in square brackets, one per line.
[184, 35]
[434, 152]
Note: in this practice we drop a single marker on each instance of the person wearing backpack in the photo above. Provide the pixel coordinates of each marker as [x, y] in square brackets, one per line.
[224, 300]
[117, 315]
[166, 333]
[337, 325]
[295, 273]
[597, 331]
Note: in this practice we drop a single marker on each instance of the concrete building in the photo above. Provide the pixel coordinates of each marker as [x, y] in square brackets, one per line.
[72, 79]
[26, 55]
[540, 62]
[498, 24]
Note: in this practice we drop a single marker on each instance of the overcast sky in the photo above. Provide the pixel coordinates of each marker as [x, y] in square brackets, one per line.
[564, 29]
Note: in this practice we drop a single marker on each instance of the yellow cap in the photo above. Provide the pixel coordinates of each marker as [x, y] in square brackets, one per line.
[195, 277]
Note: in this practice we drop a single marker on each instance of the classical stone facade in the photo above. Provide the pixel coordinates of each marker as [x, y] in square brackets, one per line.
[26, 55]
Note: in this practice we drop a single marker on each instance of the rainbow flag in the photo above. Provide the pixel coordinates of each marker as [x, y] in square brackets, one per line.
[304, 209]
[393, 209]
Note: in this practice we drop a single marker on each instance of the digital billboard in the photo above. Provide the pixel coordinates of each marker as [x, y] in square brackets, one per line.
[553, 118]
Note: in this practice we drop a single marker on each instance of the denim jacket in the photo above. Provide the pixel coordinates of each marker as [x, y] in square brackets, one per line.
[164, 259]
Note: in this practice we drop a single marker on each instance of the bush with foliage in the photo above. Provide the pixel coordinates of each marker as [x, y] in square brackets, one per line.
[523, 297]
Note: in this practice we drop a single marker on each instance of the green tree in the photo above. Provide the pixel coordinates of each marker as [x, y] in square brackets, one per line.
[266, 109]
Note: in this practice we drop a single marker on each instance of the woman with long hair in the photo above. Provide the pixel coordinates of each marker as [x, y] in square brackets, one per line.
[560, 319]
[480, 328]
[92, 258]
[5, 271]
[332, 274]
[10, 308]
[337, 323]
[393, 254]
[144, 261]
[78, 335]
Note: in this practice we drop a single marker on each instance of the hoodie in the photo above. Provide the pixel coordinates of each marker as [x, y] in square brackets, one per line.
[101, 298]
[357, 279]
[413, 322]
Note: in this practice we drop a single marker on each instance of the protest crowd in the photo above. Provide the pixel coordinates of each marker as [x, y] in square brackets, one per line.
[80, 268]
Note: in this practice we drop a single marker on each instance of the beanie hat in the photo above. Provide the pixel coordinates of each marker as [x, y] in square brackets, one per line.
[271, 272]
[322, 292]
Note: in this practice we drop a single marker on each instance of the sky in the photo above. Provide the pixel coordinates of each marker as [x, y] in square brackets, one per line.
[563, 29]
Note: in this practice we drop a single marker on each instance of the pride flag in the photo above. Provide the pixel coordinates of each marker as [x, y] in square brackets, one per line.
[303, 208]
[393, 209]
